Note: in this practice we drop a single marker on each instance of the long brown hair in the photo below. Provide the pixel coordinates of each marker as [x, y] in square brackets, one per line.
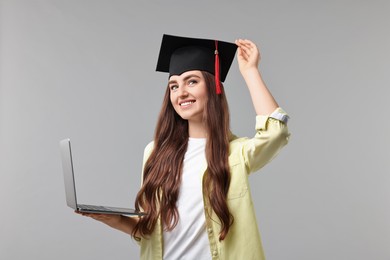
[163, 169]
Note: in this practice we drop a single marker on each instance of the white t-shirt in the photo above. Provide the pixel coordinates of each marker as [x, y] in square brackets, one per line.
[188, 240]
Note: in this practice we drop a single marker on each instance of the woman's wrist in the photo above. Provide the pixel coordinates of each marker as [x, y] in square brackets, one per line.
[249, 72]
[251, 75]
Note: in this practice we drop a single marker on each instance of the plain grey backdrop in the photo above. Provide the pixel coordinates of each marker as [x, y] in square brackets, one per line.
[86, 70]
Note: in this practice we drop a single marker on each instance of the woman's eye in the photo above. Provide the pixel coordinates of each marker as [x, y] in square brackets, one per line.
[173, 87]
[192, 82]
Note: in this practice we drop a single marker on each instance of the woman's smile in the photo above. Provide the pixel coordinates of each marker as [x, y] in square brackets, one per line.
[186, 103]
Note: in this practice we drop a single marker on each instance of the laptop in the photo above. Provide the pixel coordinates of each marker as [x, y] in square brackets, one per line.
[70, 188]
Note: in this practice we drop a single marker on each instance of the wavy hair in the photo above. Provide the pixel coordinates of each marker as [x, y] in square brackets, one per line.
[163, 169]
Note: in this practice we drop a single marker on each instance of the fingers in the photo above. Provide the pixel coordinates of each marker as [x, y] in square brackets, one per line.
[105, 218]
[246, 45]
[246, 48]
[96, 216]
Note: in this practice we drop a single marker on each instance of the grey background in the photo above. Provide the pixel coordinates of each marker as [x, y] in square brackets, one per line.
[85, 70]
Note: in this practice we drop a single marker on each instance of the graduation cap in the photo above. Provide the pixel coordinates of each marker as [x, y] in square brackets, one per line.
[181, 54]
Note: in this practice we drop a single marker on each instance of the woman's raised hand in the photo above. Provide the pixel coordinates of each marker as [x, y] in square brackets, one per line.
[248, 55]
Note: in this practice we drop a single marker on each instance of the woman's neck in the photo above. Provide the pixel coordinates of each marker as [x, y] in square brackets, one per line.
[197, 129]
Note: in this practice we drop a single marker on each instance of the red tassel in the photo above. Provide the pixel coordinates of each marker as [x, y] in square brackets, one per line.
[217, 78]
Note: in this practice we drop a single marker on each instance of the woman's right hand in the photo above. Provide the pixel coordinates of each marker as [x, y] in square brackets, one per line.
[112, 220]
[122, 223]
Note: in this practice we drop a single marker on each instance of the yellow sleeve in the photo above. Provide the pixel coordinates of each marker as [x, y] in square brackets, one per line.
[271, 136]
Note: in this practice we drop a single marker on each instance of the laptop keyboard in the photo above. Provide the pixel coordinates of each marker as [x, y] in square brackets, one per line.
[109, 210]
[92, 207]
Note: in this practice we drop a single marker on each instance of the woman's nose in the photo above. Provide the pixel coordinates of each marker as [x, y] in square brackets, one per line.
[183, 91]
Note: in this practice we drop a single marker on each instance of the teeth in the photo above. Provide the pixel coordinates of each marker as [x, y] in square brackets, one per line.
[186, 103]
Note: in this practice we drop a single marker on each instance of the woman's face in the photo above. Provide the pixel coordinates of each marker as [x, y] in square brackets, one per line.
[188, 95]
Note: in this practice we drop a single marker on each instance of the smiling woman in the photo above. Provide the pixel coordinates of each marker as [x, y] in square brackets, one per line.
[195, 175]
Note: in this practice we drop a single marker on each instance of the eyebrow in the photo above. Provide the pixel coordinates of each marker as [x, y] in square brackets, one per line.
[186, 78]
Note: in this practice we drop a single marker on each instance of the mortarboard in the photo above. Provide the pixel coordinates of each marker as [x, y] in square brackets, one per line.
[181, 54]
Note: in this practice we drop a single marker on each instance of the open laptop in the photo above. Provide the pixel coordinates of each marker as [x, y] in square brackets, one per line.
[70, 188]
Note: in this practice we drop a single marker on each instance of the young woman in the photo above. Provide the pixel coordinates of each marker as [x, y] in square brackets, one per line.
[195, 187]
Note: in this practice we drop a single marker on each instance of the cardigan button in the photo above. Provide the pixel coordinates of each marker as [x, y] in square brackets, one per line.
[215, 253]
[210, 230]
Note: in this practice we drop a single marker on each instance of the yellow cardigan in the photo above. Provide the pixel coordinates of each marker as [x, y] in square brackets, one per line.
[246, 155]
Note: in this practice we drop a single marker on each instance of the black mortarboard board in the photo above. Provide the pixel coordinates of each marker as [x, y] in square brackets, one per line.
[181, 54]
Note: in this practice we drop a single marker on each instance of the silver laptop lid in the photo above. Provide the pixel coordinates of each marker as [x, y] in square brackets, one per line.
[67, 165]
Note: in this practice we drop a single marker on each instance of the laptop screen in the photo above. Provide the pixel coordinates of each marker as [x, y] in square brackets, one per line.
[67, 165]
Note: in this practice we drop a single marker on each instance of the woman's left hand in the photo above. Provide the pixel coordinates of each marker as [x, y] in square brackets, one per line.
[248, 55]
